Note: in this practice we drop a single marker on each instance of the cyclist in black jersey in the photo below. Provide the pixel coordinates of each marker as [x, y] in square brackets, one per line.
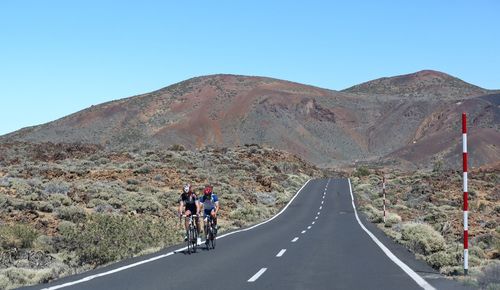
[189, 204]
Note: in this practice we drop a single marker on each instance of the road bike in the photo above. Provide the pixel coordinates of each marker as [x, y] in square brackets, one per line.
[211, 230]
[192, 234]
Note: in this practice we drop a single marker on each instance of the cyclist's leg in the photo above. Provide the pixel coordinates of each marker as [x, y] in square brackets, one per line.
[198, 229]
[186, 220]
[214, 217]
[206, 213]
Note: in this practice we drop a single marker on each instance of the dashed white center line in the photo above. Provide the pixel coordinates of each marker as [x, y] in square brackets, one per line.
[295, 239]
[322, 201]
[320, 207]
[303, 232]
[257, 275]
[318, 213]
[281, 253]
[313, 223]
[316, 218]
[309, 227]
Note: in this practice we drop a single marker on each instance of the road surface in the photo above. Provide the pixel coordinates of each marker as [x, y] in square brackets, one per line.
[315, 243]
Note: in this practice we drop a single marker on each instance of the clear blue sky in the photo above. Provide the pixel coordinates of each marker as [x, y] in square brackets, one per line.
[58, 57]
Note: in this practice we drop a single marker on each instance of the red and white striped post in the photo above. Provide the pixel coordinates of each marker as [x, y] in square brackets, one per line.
[383, 192]
[466, 195]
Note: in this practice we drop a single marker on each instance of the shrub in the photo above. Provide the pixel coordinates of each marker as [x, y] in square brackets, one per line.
[490, 278]
[54, 187]
[392, 219]
[105, 238]
[143, 170]
[444, 258]
[17, 236]
[71, 213]
[362, 171]
[422, 238]
[374, 215]
[177, 147]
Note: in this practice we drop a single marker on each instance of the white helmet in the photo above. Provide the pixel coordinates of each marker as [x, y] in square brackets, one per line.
[187, 188]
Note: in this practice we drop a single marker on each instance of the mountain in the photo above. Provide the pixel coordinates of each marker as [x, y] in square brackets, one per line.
[425, 84]
[388, 118]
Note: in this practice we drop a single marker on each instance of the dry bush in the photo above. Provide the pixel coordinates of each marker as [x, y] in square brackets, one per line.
[17, 236]
[490, 277]
[392, 219]
[422, 238]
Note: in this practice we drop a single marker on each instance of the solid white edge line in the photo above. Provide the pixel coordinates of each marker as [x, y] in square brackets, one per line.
[257, 275]
[295, 239]
[419, 280]
[281, 253]
[88, 278]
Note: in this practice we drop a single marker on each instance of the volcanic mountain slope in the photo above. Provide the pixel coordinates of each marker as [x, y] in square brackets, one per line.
[326, 127]
[426, 84]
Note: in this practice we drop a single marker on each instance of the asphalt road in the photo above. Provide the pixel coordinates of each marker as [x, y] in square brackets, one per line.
[315, 243]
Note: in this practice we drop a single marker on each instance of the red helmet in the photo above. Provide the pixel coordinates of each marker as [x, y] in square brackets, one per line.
[207, 190]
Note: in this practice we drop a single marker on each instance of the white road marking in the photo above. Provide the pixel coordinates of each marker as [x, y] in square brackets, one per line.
[295, 239]
[323, 197]
[420, 281]
[257, 275]
[321, 207]
[303, 232]
[319, 212]
[313, 223]
[316, 218]
[88, 278]
[322, 201]
[281, 253]
[309, 227]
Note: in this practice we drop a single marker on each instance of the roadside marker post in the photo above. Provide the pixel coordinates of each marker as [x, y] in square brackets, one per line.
[466, 194]
[383, 192]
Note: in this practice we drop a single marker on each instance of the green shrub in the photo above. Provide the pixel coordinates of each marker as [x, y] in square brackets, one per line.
[422, 238]
[392, 219]
[105, 238]
[17, 236]
[444, 258]
[362, 171]
[71, 213]
[374, 215]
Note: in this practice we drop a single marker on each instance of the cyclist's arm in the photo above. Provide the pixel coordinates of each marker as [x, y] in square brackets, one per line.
[198, 207]
[216, 207]
[181, 207]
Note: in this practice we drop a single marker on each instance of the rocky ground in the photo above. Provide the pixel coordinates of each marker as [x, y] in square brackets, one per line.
[67, 208]
[425, 214]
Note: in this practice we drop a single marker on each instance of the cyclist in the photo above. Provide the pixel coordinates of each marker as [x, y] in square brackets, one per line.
[189, 204]
[210, 203]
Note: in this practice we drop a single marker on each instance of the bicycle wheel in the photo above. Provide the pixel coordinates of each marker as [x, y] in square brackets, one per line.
[189, 242]
[213, 236]
[193, 239]
[209, 234]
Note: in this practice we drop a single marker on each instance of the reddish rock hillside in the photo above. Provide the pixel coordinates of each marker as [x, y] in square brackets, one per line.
[365, 122]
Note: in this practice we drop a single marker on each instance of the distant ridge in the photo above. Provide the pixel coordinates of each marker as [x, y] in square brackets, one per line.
[425, 83]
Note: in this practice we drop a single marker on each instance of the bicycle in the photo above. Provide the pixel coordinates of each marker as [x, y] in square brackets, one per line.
[211, 230]
[192, 234]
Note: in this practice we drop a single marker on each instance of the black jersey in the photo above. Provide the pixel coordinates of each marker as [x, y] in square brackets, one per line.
[189, 201]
